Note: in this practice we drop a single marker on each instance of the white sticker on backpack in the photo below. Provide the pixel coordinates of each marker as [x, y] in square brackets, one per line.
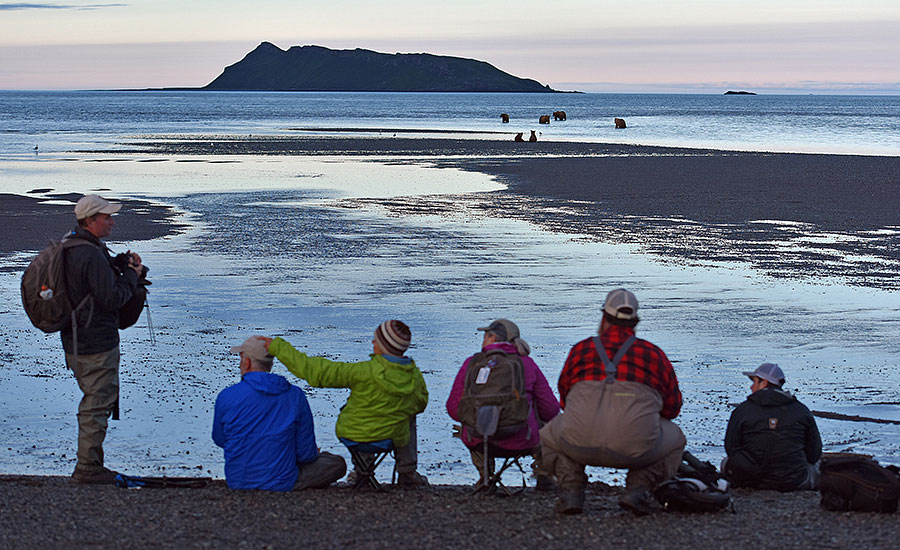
[483, 374]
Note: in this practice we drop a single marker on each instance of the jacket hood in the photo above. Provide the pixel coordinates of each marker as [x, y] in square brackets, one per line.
[394, 378]
[266, 382]
[771, 397]
[504, 346]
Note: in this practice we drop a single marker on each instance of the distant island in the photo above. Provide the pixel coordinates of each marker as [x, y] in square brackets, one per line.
[319, 69]
[741, 92]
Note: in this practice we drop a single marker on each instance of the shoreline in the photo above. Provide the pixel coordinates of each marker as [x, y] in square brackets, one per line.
[49, 512]
[34, 222]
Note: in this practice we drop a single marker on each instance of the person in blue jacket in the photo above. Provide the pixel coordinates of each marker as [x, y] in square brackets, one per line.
[265, 426]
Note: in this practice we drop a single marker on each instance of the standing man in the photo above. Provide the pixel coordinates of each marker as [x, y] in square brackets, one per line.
[94, 359]
[266, 428]
[772, 441]
[619, 395]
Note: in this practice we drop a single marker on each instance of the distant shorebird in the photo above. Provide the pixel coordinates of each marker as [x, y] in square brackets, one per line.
[35, 148]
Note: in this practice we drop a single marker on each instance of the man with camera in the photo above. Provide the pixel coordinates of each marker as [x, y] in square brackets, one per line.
[92, 348]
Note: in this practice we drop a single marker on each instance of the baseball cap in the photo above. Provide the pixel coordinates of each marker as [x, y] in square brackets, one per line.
[89, 205]
[769, 372]
[254, 348]
[506, 330]
[621, 304]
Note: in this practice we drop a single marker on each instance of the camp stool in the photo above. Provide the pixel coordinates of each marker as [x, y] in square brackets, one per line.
[492, 478]
[366, 457]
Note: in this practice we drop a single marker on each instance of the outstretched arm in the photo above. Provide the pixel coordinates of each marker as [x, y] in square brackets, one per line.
[317, 371]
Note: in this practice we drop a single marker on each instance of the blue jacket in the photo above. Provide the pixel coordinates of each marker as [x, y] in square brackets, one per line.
[266, 428]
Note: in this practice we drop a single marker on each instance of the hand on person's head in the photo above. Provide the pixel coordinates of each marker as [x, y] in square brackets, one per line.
[266, 340]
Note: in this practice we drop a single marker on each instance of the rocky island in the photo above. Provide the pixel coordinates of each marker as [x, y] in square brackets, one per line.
[740, 92]
[319, 69]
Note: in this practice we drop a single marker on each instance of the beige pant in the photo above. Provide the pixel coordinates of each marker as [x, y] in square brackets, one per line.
[614, 425]
[98, 377]
[321, 472]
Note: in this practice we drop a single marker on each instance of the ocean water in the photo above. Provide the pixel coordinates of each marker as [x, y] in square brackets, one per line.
[314, 249]
[57, 121]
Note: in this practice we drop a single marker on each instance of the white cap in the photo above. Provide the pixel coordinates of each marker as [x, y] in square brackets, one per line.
[254, 348]
[90, 205]
[621, 304]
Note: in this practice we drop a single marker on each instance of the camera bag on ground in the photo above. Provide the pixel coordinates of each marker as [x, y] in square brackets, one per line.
[696, 488]
[44, 294]
[495, 378]
[855, 482]
[133, 482]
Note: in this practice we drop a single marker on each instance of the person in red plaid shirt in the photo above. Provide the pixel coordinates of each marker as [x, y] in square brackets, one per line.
[620, 420]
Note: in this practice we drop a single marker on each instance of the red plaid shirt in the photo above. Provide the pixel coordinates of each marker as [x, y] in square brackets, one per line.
[643, 363]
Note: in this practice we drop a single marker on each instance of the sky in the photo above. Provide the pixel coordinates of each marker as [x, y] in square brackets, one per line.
[702, 46]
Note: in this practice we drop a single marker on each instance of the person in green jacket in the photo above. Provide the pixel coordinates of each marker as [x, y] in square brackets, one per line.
[386, 393]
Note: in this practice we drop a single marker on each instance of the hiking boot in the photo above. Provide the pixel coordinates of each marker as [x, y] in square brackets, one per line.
[351, 477]
[639, 502]
[545, 483]
[411, 479]
[570, 503]
[94, 477]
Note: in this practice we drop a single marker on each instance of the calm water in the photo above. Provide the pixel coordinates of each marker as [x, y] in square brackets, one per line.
[846, 124]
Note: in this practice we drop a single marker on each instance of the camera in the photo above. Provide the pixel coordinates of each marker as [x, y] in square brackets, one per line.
[122, 261]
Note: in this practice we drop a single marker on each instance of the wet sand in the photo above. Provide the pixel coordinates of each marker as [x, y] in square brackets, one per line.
[836, 192]
[31, 222]
[788, 215]
[49, 512]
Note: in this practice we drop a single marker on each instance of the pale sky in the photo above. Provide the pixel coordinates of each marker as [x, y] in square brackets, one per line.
[774, 46]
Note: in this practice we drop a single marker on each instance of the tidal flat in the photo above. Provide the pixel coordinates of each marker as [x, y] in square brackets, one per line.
[320, 248]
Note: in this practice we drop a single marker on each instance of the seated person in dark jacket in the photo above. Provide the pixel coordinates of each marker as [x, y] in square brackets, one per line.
[266, 428]
[772, 440]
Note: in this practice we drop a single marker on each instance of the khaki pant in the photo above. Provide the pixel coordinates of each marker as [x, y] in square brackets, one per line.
[614, 425]
[321, 472]
[407, 457]
[98, 377]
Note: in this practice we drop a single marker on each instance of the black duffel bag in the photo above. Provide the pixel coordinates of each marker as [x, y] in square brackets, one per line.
[855, 482]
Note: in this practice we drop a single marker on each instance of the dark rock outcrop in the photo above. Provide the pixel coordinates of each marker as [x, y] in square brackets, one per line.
[741, 92]
[314, 68]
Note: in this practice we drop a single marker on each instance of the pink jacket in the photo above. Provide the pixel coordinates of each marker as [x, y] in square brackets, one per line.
[543, 403]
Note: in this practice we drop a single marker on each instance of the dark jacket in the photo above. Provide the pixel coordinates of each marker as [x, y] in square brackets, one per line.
[771, 439]
[266, 428]
[90, 271]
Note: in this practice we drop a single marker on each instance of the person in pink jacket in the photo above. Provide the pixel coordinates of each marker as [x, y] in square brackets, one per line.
[504, 334]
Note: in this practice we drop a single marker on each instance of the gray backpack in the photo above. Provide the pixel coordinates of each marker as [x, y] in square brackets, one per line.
[495, 378]
[44, 294]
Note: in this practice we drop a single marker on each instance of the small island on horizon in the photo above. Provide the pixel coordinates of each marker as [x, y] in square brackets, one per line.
[320, 69]
[739, 92]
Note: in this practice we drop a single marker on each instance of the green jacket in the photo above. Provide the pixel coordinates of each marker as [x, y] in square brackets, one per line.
[383, 394]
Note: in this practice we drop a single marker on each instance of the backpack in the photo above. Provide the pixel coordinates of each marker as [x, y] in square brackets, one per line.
[855, 482]
[44, 293]
[696, 488]
[495, 377]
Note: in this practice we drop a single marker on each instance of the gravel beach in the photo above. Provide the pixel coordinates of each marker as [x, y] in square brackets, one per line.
[51, 512]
